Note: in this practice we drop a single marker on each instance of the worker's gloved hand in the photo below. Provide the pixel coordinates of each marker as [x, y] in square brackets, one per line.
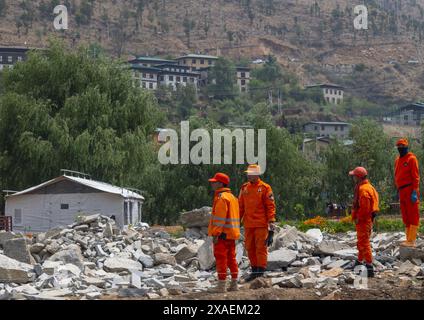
[215, 240]
[414, 196]
[270, 238]
[223, 236]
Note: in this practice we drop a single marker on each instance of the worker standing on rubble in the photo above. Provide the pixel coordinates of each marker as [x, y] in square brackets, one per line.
[407, 180]
[257, 212]
[364, 211]
[224, 227]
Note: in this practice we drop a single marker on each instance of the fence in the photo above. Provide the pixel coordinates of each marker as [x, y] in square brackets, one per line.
[6, 223]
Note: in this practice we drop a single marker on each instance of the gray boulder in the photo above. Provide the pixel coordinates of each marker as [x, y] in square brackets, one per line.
[121, 264]
[205, 255]
[328, 247]
[281, 258]
[185, 253]
[408, 253]
[72, 254]
[6, 236]
[196, 218]
[15, 271]
[17, 249]
[164, 258]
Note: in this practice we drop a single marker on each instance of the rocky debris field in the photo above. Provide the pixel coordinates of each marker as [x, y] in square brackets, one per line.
[93, 259]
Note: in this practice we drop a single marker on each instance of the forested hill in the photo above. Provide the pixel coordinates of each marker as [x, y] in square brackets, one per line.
[310, 37]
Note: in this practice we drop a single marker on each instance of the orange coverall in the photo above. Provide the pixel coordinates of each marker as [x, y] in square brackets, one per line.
[407, 179]
[257, 210]
[367, 203]
[225, 218]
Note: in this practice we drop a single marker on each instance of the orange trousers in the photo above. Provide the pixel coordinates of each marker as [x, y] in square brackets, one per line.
[256, 247]
[225, 255]
[363, 232]
[410, 211]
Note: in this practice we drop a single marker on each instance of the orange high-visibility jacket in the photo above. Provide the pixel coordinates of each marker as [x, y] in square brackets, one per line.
[368, 202]
[407, 172]
[257, 204]
[225, 216]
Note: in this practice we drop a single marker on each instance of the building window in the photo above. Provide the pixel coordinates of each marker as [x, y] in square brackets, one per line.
[184, 61]
[209, 62]
[171, 78]
[64, 206]
[10, 59]
[144, 75]
[326, 90]
[143, 84]
[178, 79]
[243, 74]
[192, 80]
[243, 82]
[151, 76]
[184, 79]
[17, 217]
[202, 61]
[322, 128]
[139, 211]
[316, 128]
[151, 85]
[161, 78]
[193, 61]
[405, 118]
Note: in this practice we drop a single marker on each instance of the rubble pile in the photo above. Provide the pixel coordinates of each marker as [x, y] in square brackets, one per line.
[93, 258]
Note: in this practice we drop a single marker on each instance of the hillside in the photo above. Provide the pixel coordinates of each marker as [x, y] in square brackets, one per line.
[308, 37]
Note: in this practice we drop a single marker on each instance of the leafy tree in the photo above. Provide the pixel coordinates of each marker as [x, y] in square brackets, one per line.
[222, 79]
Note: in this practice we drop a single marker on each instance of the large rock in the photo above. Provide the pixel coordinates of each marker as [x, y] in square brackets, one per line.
[205, 255]
[15, 271]
[284, 238]
[146, 260]
[185, 253]
[281, 258]
[121, 264]
[72, 254]
[87, 219]
[407, 253]
[52, 233]
[17, 249]
[328, 247]
[316, 234]
[408, 268]
[347, 254]
[196, 218]
[164, 258]
[6, 236]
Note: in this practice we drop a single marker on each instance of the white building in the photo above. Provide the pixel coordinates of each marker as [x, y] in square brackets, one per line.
[243, 78]
[328, 129]
[60, 201]
[333, 93]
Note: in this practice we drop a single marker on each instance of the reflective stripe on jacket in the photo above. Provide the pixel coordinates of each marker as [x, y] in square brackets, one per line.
[225, 216]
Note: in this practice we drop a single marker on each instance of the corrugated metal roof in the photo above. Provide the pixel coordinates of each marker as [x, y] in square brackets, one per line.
[199, 56]
[329, 123]
[98, 185]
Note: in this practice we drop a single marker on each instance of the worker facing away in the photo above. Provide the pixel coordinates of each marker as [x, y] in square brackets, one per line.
[224, 227]
[257, 212]
[364, 211]
[407, 180]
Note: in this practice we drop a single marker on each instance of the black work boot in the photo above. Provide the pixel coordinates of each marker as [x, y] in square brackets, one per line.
[370, 270]
[260, 272]
[252, 275]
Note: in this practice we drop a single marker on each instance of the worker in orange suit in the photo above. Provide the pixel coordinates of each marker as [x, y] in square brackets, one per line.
[257, 212]
[407, 180]
[364, 211]
[224, 227]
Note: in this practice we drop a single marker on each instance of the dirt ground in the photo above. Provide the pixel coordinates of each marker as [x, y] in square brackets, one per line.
[378, 289]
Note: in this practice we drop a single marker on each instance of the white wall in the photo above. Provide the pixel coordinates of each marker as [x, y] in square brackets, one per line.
[42, 212]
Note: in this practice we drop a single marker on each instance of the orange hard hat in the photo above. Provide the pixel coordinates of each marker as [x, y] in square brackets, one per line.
[402, 142]
[221, 177]
[253, 170]
[359, 172]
